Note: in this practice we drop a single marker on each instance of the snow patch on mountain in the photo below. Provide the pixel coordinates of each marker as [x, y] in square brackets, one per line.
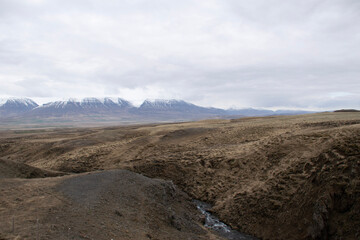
[92, 100]
[89, 102]
[61, 104]
[2, 101]
[163, 103]
[24, 102]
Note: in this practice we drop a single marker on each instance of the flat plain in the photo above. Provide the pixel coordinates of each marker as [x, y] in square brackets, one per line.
[278, 177]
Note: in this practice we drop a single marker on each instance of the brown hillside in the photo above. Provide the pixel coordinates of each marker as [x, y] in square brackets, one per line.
[283, 177]
[115, 204]
[11, 169]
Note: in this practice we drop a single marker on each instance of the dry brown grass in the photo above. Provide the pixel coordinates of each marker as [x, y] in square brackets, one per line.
[285, 177]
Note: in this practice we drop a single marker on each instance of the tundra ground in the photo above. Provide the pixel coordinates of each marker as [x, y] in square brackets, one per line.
[281, 177]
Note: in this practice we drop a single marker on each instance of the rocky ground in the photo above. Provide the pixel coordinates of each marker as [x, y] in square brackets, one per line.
[283, 177]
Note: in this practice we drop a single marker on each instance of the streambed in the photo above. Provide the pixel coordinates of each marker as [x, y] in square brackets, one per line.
[215, 224]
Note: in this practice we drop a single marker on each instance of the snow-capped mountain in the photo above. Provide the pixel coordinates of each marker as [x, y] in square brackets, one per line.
[16, 106]
[91, 103]
[70, 103]
[86, 106]
[117, 110]
[160, 105]
[165, 110]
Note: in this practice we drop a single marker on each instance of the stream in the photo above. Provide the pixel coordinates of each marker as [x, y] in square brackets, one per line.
[215, 224]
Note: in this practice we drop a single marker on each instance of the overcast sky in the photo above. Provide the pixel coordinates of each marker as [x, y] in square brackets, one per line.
[221, 53]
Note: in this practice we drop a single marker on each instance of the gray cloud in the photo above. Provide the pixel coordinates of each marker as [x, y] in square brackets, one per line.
[267, 53]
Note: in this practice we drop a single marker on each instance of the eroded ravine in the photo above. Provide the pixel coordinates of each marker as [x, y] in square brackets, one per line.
[212, 222]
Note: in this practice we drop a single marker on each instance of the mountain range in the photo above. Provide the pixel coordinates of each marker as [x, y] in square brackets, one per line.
[12, 106]
[120, 110]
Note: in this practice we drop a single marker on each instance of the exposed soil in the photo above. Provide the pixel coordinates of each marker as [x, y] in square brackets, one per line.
[113, 204]
[283, 177]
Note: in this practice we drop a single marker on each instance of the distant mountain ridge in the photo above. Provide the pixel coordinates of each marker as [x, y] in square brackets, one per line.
[161, 105]
[251, 112]
[118, 109]
[89, 103]
[85, 106]
[15, 106]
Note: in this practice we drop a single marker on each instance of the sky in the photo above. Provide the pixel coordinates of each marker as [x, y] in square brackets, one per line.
[275, 54]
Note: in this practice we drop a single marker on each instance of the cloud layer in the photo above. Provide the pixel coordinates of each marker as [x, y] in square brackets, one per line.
[232, 53]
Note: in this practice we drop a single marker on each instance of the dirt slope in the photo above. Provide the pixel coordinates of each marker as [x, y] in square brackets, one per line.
[114, 204]
[285, 177]
[11, 169]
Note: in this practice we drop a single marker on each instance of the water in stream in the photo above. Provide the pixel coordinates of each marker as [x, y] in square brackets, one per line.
[215, 224]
